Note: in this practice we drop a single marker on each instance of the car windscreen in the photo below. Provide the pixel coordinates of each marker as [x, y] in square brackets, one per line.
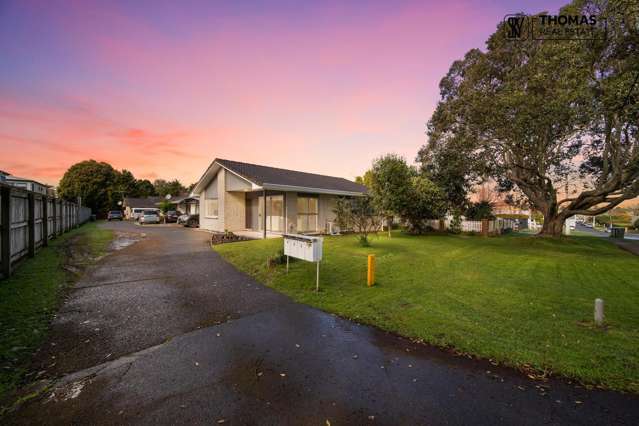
[150, 213]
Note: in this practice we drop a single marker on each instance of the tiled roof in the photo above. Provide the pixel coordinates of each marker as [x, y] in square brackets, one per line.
[261, 175]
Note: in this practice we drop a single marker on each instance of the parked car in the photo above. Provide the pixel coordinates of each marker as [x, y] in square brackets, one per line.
[172, 216]
[149, 216]
[181, 220]
[115, 215]
[137, 212]
[193, 221]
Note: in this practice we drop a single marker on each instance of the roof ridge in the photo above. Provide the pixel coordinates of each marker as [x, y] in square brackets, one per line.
[282, 169]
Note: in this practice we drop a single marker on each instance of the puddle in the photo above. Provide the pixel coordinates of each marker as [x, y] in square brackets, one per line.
[123, 240]
[68, 391]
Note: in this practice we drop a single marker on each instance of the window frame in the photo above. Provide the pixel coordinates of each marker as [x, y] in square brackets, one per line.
[306, 214]
[216, 210]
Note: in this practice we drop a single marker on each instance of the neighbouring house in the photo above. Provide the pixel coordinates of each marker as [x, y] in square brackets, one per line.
[502, 208]
[134, 206]
[187, 204]
[25, 183]
[236, 196]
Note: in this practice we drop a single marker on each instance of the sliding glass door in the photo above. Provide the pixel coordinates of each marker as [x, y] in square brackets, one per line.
[274, 213]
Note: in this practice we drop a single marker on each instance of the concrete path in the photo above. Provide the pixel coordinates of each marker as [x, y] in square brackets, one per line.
[596, 233]
[166, 332]
[630, 243]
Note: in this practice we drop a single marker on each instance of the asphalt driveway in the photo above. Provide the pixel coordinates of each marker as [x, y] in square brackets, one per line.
[166, 332]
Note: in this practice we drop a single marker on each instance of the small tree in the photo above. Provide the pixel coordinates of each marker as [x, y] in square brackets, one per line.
[390, 181]
[456, 223]
[364, 218]
[343, 213]
[165, 206]
[480, 210]
[427, 201]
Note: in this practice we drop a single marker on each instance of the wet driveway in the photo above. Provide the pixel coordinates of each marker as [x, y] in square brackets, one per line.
[165, 332]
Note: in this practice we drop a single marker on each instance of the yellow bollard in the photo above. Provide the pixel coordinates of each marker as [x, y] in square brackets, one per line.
[371, 270]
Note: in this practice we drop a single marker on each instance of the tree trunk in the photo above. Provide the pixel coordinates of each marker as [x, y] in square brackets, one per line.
[553, 226]
[389, 224]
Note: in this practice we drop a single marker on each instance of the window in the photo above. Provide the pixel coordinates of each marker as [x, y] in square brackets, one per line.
[211, 208]
[307, 212]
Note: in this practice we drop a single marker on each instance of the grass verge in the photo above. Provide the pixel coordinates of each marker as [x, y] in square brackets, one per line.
[30, 298]
[522, 301]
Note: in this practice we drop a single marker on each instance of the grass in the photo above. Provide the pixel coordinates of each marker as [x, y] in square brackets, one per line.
[30, 297]
[522, 301]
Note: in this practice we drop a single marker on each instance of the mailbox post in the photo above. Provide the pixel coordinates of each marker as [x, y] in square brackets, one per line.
[306, 248]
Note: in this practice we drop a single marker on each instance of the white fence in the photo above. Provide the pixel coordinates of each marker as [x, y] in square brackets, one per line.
[495, 226]
[28, 220]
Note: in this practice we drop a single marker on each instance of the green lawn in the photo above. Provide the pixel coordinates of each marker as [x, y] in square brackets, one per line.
[519, 300]
[30, 297]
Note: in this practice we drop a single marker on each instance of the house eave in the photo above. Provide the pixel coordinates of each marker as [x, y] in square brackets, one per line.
[294, 188]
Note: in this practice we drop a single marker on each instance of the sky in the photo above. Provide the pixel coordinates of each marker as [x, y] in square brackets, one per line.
[161, 88]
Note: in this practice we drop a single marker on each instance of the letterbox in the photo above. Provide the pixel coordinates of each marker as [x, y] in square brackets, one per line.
[303, 247]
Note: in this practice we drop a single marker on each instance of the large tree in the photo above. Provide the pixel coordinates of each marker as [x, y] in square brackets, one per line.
[124, 185]
[144, 188]
[555, 120]
[173, 187]
[92, 181]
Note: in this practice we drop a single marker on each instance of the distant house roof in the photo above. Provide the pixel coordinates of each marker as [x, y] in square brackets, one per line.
[184, 198]
[145, 202]
[21, 179]
[266, 177]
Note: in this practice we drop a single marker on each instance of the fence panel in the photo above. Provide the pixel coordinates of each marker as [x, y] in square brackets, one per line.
[19, 225]
[85, 214]
[38, 221]
[25, 218]
[471, 226]
[50, 228]
[58, 216]
[494, 226]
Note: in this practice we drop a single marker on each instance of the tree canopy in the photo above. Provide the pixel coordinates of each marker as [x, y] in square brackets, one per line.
[173, 187]
[102, 187]
[92, 181]
[398, 189]
[144, 188]
[555, 120]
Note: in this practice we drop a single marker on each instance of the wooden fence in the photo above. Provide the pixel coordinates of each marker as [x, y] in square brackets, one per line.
[28, 220]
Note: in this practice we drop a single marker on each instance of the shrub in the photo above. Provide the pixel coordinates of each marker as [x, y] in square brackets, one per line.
[480, 210]
[455, 224]
[360, 214]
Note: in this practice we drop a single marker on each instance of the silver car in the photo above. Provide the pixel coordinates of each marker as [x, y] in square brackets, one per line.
[149, 216]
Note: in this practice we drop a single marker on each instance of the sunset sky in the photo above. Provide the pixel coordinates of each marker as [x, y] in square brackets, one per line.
[162, 88]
